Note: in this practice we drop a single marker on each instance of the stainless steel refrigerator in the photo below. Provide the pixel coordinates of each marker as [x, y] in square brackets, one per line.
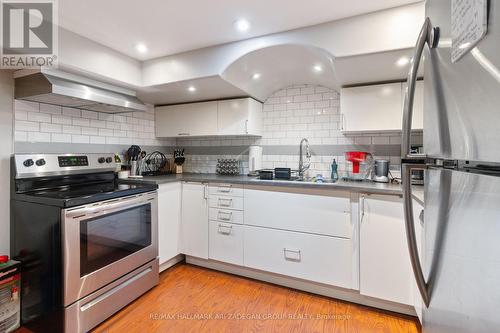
[459, 277]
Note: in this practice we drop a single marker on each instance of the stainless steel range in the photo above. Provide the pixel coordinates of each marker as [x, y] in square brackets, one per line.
[88, 244]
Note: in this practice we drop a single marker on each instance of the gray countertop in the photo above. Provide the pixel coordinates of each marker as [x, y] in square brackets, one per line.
[362, 187]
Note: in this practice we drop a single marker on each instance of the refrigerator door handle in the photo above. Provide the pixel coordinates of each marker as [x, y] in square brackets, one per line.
[411, 238]
[430, 36]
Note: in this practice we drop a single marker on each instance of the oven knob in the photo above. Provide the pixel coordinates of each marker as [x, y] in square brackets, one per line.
[28, 163]
[101, 160]
[109, 159]
[40, 162]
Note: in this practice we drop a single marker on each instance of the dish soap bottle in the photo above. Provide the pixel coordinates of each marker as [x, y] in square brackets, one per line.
[335, 174]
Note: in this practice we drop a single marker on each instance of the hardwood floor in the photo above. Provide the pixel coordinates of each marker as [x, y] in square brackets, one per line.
[193, 299]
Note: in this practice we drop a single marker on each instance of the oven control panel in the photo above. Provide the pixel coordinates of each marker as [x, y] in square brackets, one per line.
[39, 165]
[73, 161]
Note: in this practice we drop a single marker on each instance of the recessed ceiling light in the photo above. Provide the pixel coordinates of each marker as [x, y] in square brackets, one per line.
[141, 48]
[317, 68]
[403, 61]
[256, 76]
[192, 89]
[242, 25]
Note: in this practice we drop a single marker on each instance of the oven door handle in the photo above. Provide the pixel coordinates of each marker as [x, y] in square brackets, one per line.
[108, 207]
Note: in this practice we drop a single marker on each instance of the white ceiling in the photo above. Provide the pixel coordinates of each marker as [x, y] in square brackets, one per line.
[171, 26]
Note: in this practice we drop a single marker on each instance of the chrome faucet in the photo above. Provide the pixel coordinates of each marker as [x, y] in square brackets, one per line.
[303, 167]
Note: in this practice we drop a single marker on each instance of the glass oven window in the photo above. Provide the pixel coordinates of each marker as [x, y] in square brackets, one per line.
[109, 238]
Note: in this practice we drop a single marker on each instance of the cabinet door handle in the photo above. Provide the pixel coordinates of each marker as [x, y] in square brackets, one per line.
[225, 202]
[292, 255]
[362, 208]
[246, 126]
[342, 121]
[183, 134]
[224, 229]
[205, 192]
[228, 216]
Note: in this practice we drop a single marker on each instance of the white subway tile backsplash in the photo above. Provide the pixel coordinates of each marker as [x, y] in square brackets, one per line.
[21, 136]
[38, 137]
[105, 132]
[26, 106]
[21, 115]
[28, 126]
[81, 122]
[61, 138]
[97, 140]
[71, 129]
[70, 125]
[50, 128]
[49, 108]
[39, 117]
[71, 112]
[98, 123]
[90, 131]
[65, 120]
[80, 139]
[89, 114]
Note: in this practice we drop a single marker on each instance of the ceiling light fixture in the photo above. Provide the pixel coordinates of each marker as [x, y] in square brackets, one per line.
[141, 48]
[256, 76]
[242, 25]
[318, 68]
[403, 61]
[191, 89]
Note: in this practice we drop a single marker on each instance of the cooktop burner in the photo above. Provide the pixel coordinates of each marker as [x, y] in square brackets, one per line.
[70, 180]
[84, 194]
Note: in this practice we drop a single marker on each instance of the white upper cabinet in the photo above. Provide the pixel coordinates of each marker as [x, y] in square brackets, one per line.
[418, 105]
[195, 119]
[240, 117]
[378, 108]
[228, 117]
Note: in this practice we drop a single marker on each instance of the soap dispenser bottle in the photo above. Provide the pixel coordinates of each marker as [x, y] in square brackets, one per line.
[335, 174]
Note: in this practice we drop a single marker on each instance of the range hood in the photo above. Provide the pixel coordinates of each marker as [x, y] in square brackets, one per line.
[46, 88]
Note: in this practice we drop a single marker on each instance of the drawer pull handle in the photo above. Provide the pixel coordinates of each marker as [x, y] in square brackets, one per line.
[224, 189]
[292, 255]
[225, 216]
[225, 229]
[225, 202]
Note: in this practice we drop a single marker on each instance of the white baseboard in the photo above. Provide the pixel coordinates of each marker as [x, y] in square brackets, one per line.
[169, 263]
[316, 288]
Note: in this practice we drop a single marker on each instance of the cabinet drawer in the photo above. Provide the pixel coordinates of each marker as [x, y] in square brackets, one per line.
[226, 242]
[226, 215]
[311, 212]
[310, 257]
[225, 189]
[225, 202]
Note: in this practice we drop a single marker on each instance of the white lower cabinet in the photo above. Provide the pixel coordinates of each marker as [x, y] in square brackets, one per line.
[169, 219]
[310, 257]
[385, 268]
[194, 222]
[226, 242]
[317, 212]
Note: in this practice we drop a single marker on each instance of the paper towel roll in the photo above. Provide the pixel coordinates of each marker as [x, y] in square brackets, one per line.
[255, 158]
